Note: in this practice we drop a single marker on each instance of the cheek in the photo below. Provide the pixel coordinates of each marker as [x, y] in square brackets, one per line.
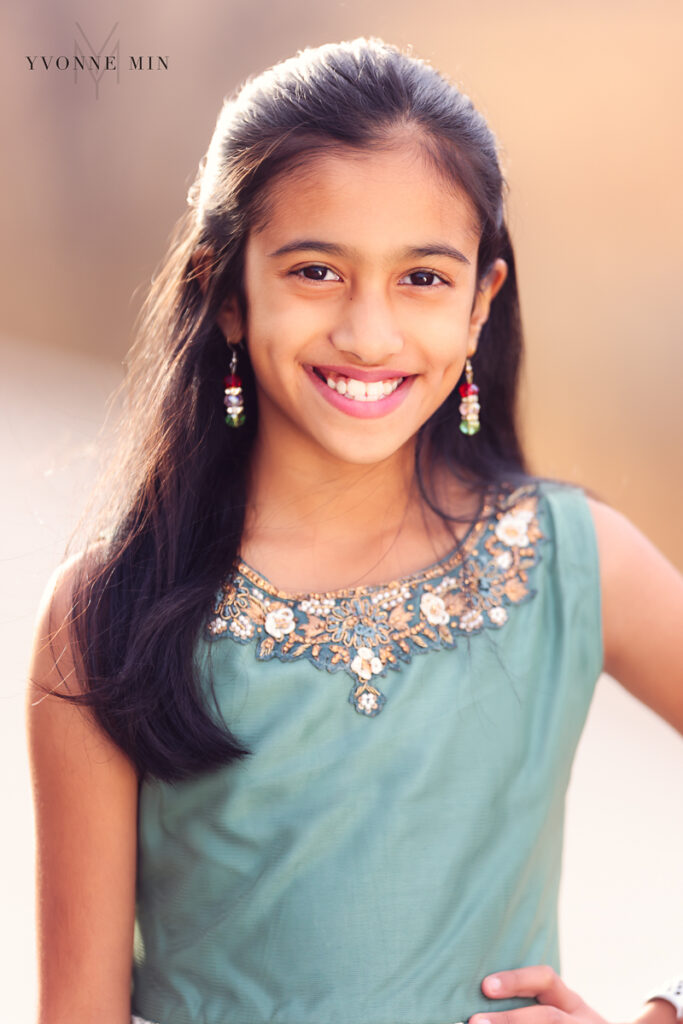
[445, 356]
[443, 318]
[446, 342]
[280, 319]
[452, 374]
[267, 327]
[275, 336]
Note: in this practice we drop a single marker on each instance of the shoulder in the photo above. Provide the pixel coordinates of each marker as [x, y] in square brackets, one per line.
[624, 589]
[53, 641]
[56, 598]
[642, 613]
[52, 647]
[562, 513]
[630, 564]
[56, 668]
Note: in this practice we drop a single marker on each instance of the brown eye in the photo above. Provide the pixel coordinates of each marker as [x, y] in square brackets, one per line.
[423, 279]
[317, 272]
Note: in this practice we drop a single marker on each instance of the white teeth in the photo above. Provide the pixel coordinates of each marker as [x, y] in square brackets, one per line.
[363, 391]
[355, 388]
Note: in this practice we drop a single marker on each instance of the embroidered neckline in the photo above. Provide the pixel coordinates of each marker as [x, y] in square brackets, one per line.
[264, 584]
[368, 629]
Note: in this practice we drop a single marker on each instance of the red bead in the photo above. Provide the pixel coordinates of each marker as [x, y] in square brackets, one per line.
[232, 381]
[468, 389]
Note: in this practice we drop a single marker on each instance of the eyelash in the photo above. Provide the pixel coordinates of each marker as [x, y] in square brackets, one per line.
[300, 272]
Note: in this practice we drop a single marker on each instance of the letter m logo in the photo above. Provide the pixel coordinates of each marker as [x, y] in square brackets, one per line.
[85, 52]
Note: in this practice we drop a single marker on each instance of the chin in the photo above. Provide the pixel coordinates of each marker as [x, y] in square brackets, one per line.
[363, 452]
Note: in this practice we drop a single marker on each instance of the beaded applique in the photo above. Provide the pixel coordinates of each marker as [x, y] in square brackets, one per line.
[367, 630]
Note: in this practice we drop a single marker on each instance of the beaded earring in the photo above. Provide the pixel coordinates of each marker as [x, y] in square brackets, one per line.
[234, 397]
[469, 406]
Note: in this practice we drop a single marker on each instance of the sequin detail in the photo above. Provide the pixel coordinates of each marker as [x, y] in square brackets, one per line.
[367, 630]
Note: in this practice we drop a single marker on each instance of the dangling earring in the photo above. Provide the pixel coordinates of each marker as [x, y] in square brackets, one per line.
[234, 397]
[469, 406]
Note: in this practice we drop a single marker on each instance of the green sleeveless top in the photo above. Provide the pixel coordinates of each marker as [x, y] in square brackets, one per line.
[396, 833]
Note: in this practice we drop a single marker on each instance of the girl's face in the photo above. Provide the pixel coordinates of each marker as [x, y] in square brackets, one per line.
[361, 303]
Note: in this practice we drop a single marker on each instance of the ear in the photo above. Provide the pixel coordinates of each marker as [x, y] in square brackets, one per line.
[201, 260]
[487, 290]
[229, 318]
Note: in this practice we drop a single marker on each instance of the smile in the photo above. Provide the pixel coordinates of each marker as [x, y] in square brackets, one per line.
[359, 390]
[366, 394]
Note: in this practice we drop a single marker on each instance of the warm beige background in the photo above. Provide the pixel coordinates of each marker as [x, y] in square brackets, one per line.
[586, 99]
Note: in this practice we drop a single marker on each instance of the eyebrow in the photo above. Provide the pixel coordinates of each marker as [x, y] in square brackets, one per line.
[410, 252]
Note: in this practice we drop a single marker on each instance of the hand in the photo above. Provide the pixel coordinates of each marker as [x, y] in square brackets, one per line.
[558, 1004]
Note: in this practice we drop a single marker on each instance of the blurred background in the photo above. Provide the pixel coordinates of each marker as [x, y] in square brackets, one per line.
[586, 99]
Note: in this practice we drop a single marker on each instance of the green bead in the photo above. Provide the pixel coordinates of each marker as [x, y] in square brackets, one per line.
[469, 428]
[235, 419]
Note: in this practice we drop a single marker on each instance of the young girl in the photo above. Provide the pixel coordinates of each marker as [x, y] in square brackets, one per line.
[304, 712]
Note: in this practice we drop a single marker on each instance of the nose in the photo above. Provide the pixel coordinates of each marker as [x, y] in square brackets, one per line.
[368, 329]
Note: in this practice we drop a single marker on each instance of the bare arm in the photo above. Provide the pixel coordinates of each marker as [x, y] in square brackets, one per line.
[85, 795]
[642, 598]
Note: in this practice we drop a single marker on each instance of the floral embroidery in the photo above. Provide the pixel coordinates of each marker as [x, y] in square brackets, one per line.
[498, 615]
[242, 627]
[470, 620]
[366, 663]
[367, 700]
[365, 631]
[280, 622]
[433, 608]
[512, 528]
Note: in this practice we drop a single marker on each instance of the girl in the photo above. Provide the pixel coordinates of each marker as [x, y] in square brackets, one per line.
[304, 713]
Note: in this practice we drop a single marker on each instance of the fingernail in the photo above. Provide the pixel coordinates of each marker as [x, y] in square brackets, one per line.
[494, 984]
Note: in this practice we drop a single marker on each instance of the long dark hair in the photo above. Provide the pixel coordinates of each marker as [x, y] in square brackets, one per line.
[143, 592]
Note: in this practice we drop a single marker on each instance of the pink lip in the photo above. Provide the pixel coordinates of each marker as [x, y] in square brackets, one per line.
[361, 410]
[369, 376]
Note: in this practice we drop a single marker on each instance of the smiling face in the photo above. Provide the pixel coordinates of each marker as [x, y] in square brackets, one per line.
[362, 304]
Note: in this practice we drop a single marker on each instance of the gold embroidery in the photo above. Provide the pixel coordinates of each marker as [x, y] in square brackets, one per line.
[366, 630]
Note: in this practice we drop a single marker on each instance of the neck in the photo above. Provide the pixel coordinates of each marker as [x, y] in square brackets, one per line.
[295, 491]
[318, 524]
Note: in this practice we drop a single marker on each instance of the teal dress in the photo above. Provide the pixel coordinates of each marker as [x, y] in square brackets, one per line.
[396, 833]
